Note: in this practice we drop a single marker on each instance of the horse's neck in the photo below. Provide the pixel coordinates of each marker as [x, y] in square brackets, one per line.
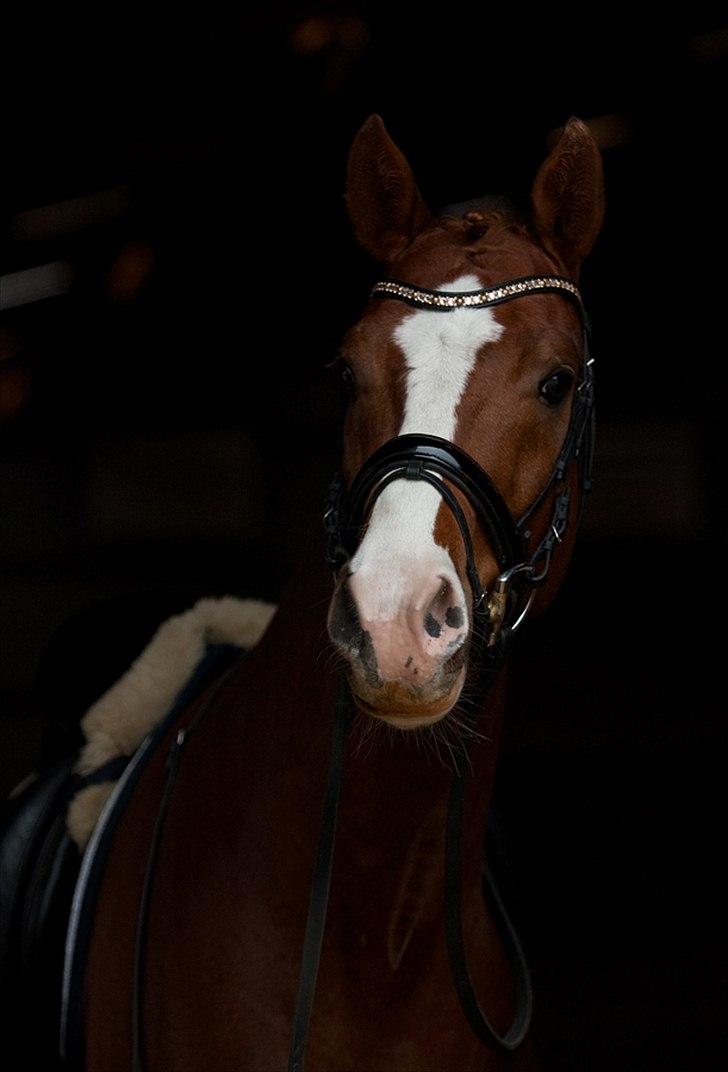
[395, 783]
[260, 764]
[392, 828]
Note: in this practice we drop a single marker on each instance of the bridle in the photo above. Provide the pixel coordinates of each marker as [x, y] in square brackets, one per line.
[500, 611]
[429, 458]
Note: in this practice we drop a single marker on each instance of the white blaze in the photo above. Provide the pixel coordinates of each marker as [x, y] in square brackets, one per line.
[440, 349]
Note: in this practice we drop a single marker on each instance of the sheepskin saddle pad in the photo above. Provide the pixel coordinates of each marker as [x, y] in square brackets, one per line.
[117, 723]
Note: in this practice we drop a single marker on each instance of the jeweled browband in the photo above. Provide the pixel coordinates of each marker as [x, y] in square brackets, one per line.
[426, 298]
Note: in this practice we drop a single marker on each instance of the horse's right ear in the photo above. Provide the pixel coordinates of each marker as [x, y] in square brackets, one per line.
[385, 207]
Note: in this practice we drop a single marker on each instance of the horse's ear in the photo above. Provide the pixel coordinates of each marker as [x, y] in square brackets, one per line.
[385, 207]
[568, 194]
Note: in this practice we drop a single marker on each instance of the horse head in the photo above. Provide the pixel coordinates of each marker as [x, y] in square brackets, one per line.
[494, 384]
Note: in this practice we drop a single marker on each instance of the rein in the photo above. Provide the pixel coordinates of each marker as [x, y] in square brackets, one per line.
[500, 611]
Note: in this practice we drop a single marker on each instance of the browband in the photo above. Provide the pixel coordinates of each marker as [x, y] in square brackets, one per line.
[443, 301]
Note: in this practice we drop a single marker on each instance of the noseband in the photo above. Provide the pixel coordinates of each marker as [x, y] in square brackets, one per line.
[418, 456]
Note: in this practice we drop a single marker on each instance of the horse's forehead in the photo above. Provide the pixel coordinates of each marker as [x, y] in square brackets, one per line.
[506, 249]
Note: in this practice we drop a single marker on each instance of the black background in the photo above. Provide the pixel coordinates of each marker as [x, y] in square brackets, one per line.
[167, 432]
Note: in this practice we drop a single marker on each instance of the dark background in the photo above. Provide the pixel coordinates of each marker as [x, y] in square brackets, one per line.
[167, 431]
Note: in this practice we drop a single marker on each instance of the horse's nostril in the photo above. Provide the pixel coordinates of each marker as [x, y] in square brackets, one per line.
[444, 611]
[443, 619]
[455, 617]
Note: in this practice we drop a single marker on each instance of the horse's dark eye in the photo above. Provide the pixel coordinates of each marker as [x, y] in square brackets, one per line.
[555, 387]
[342, 373]
[346, 376]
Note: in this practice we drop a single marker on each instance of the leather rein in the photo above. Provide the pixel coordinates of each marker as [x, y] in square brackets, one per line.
[500, 612]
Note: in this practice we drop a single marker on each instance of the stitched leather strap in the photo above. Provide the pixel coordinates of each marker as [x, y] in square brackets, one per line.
[470, 1005]
[319, 895]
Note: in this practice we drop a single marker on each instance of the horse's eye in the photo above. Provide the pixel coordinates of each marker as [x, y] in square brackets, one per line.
[555, 387]
[343, 374]
[347, 378]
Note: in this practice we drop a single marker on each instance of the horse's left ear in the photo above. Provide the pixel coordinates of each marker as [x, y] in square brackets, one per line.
[568, 195]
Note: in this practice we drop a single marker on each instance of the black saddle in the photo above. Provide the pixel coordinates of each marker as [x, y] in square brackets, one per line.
[38, 868]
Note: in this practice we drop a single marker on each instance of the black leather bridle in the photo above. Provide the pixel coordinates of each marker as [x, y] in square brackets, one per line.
[438, 461]
[501, 611]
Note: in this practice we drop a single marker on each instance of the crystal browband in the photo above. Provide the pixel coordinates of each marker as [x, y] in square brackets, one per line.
[426, 298]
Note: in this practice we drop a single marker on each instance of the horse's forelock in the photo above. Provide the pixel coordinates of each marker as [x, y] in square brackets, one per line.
[490, 212]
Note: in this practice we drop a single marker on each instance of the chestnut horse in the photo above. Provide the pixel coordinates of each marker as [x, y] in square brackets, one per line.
[227, 908]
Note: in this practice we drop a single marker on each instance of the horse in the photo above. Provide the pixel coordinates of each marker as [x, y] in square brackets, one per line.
[465, 457]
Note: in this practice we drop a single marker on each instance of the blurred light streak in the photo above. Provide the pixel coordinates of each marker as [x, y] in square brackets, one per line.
[76, 214]
[35, 284]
